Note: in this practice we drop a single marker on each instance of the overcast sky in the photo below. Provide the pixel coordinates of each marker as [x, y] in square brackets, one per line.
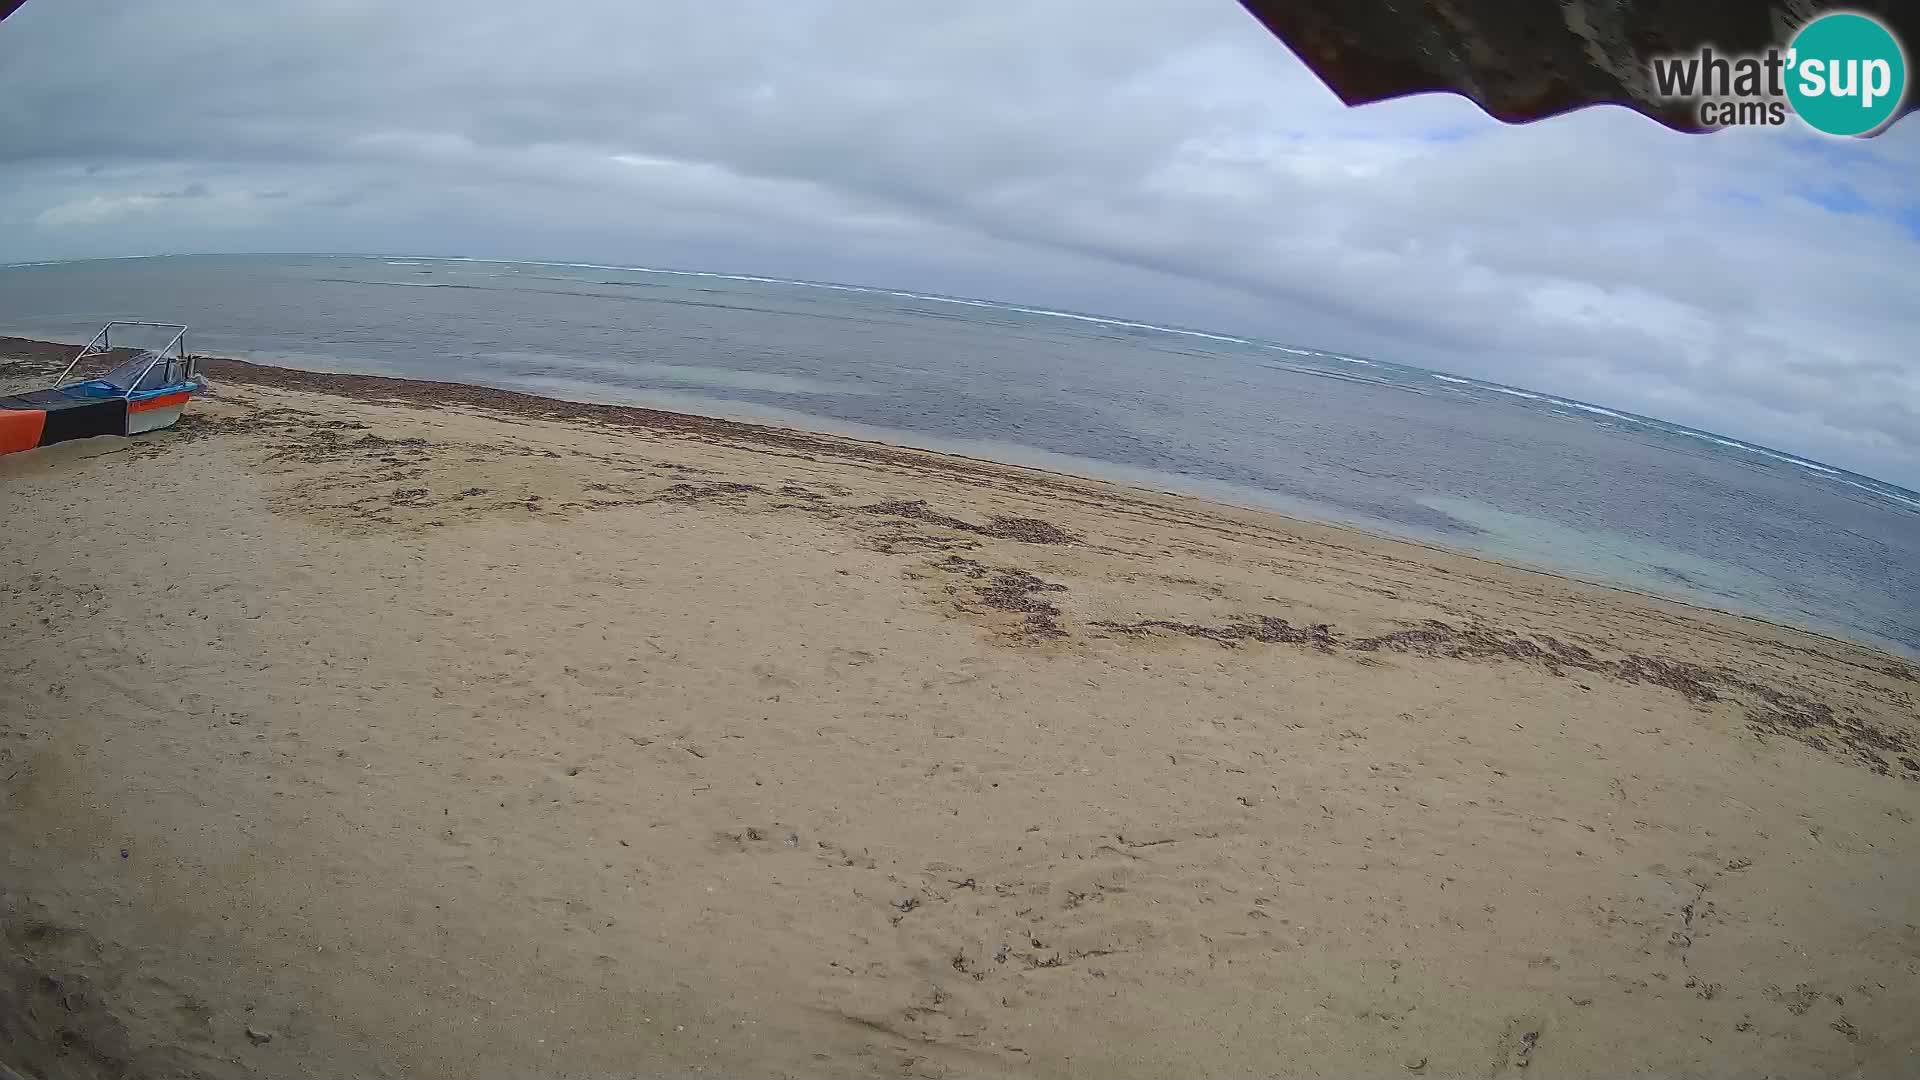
[1159, 159]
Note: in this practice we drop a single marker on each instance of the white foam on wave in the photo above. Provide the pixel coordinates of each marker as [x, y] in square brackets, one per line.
[1762, 451]
[1048, 313]
[1451, 379]
[1883, 494]
[1316, 353]
[404, 284]
[63, 262]
[1594, 409]
[929, 297]
[1747, 447]
[1515, 393]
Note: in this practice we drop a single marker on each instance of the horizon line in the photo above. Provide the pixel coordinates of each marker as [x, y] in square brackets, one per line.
[1112, 320]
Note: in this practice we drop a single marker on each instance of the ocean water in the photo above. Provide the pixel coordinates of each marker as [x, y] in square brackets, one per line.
[1499, 470]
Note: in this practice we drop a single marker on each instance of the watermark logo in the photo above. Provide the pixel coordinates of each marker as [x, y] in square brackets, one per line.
[1844, 73]
[1851, 74]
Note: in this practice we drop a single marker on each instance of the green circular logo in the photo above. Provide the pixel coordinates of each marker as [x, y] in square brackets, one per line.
[1846, 74]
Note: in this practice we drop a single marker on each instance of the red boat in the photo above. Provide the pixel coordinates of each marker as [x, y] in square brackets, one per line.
[146, 392]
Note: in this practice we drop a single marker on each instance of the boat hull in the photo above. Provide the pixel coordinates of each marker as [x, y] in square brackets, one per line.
[156, 413]
[45, 417]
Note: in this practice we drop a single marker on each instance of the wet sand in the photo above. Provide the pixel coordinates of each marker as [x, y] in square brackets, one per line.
[377, 728]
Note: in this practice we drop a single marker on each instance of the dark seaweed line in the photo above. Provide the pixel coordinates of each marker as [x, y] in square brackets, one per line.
[1779, 712]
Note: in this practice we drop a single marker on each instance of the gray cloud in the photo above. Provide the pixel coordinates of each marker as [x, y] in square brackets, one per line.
[1157, 158]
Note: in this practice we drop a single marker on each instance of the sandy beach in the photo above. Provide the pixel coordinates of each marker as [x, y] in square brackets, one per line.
[364, 727]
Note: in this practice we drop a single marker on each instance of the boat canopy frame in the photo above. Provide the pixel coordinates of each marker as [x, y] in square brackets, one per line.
[174, 351]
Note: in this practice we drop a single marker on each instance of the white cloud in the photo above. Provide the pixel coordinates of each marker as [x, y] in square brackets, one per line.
[95, 210]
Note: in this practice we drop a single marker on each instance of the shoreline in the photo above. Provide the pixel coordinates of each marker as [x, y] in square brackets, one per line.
[354, 730]
[427, 393]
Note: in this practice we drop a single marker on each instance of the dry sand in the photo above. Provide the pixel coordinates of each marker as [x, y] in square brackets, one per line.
[343, 736]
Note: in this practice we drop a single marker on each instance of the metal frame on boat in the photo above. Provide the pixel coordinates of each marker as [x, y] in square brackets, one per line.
[147, 392]
[102, 345]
